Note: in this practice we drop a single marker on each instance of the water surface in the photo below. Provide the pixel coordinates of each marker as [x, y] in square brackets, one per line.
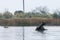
[16, 33]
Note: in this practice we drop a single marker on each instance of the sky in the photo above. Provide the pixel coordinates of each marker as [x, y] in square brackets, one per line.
[13, 5]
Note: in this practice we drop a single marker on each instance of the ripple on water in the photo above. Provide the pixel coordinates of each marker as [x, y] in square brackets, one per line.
[16, 33]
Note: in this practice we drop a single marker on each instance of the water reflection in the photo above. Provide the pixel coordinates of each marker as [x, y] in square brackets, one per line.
[15, 33]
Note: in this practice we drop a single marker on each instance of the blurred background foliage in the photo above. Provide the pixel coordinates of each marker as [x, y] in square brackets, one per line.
[39, 12]
[32, 18]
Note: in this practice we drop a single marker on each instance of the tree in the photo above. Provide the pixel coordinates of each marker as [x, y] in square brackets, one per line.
[1, 16]
[42, 10]
[56, 14]
[18, 12]
[7, 14]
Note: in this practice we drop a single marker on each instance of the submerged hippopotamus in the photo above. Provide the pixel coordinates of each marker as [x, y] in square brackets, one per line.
[41, 28]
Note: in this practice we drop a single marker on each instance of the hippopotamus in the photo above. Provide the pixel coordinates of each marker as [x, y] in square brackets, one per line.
[40, 27]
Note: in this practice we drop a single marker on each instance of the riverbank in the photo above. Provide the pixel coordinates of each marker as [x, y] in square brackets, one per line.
[29, 22]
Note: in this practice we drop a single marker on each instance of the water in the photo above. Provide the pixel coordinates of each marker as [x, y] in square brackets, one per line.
[15, 33]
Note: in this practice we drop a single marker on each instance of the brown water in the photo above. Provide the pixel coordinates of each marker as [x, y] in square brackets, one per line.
[16, 33]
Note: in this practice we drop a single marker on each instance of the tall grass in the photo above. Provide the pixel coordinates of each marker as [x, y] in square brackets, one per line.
[29, 21]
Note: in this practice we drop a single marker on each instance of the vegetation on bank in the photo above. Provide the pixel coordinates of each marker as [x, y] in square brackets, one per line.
[39, 12]
[28, 21]
[35, 17]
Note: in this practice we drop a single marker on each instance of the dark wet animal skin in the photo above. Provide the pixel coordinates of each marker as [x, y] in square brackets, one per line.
[41, 28]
